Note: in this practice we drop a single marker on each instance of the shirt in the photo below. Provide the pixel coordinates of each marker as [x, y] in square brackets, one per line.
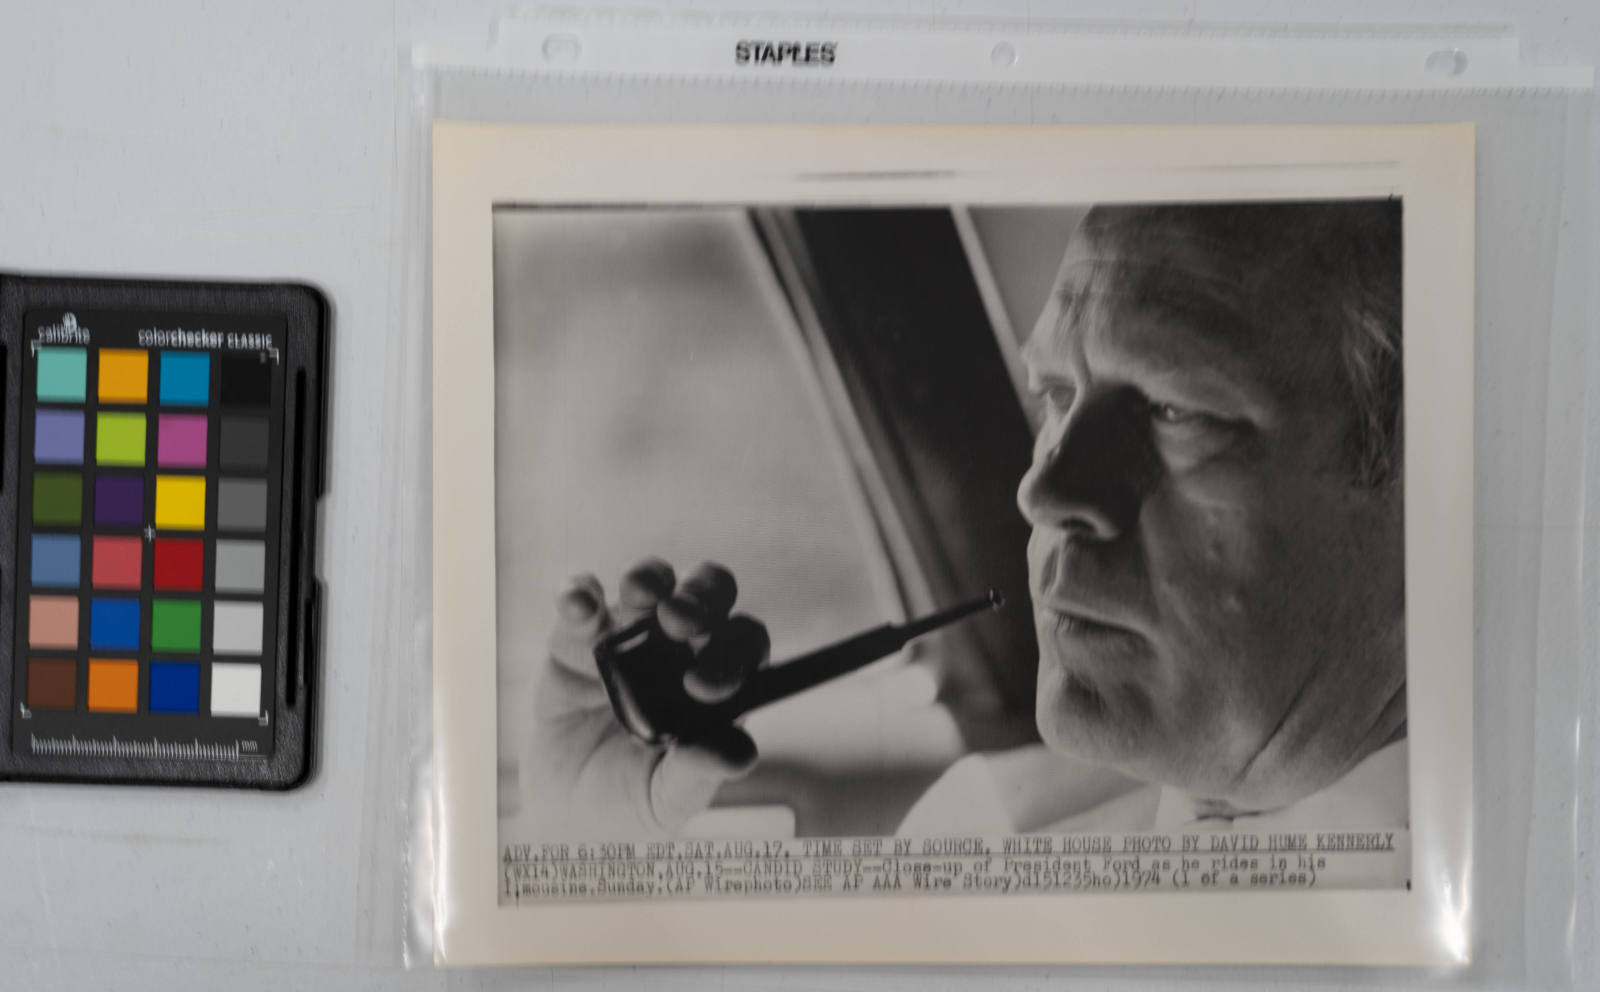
[1033, 790]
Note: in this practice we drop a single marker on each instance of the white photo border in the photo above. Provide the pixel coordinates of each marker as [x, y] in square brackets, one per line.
[1431, 167]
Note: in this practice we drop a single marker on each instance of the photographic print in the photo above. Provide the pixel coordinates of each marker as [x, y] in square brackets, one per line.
[1168, 437]
[951, 550]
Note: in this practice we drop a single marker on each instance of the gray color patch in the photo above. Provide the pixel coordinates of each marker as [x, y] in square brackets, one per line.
[244, 443]
[241, 566]
[241, 504]
[236, 628]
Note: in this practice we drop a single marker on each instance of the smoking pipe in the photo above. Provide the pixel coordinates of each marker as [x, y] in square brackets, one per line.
[642, 669]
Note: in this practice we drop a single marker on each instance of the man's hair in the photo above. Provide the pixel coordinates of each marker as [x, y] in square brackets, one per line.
[1336, 263]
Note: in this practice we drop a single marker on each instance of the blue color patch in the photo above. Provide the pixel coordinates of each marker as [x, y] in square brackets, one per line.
[58, 437]
[174, 687]
[54, 560]
[114, 623]
[185, 378]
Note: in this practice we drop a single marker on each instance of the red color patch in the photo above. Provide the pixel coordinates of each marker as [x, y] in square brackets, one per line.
[117, 562]
[179, 564]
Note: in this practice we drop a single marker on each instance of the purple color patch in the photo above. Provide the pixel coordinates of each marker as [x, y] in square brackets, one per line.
[181, 441]
[119, 500]
[58, 437]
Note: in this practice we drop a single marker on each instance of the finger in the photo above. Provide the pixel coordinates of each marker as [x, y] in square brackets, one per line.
[581, 606]
[687, 777]
[642, 589]
[699, 604]
[560, 690]
[733, 653]
[582, 620]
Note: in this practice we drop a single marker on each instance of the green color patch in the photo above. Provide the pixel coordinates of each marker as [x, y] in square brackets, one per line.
[175, 625]
[57, 499]
[119, 438]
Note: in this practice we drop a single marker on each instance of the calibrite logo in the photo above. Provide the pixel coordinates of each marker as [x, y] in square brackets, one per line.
[777, 53]
[66, 332]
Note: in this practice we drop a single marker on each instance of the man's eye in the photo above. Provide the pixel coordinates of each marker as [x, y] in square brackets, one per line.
[1190, 435]
[1168, 413]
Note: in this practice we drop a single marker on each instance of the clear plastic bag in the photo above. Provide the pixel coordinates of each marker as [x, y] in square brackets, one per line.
[1522, 899]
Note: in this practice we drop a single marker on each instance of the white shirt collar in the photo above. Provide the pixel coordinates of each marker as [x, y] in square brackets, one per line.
[1375, 793]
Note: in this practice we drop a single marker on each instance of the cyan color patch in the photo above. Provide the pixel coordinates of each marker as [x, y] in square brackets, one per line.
[185, 378]
[174, 687]
[55, 560]
[61, 375]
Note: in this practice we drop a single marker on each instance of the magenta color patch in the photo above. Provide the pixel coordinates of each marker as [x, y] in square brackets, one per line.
[181, 441]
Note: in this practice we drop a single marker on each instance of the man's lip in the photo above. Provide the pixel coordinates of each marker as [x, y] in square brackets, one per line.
[1076, 620]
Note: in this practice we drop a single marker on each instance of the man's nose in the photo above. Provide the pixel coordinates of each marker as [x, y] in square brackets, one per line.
[1086, 477]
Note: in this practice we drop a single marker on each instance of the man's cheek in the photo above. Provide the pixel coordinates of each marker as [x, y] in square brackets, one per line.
[1216, 566]
[1205, 560]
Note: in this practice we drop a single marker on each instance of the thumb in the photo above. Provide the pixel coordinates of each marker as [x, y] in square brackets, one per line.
[688, 776]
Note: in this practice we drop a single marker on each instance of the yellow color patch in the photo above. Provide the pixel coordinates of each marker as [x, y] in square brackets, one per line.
[180, 502]
[124, 375]
[113, 686]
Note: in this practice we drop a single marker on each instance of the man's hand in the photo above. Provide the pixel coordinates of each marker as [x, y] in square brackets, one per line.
[584, 775]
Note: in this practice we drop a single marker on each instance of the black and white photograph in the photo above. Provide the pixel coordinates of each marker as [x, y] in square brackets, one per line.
[1139, 466]
[953, 522]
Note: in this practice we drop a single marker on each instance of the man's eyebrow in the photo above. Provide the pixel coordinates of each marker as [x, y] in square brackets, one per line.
[1205, 382]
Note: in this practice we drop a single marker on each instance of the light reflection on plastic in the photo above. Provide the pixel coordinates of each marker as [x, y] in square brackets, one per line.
[1455, 921]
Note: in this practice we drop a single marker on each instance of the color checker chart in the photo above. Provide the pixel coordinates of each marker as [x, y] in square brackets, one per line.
[163, 604]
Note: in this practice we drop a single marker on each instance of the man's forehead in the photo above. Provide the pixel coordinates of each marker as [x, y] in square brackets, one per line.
[1153, 346]
[1194, 261]
[1157, 274]
[1204, 245]
[1163, 287]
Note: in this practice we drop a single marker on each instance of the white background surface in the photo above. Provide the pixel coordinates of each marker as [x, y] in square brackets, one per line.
[257, 141]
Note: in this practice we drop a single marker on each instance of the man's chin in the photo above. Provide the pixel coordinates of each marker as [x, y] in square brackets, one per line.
[1115, 725]
[1077, 716]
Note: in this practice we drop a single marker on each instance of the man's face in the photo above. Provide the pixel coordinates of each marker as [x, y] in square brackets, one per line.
[1219, 606]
